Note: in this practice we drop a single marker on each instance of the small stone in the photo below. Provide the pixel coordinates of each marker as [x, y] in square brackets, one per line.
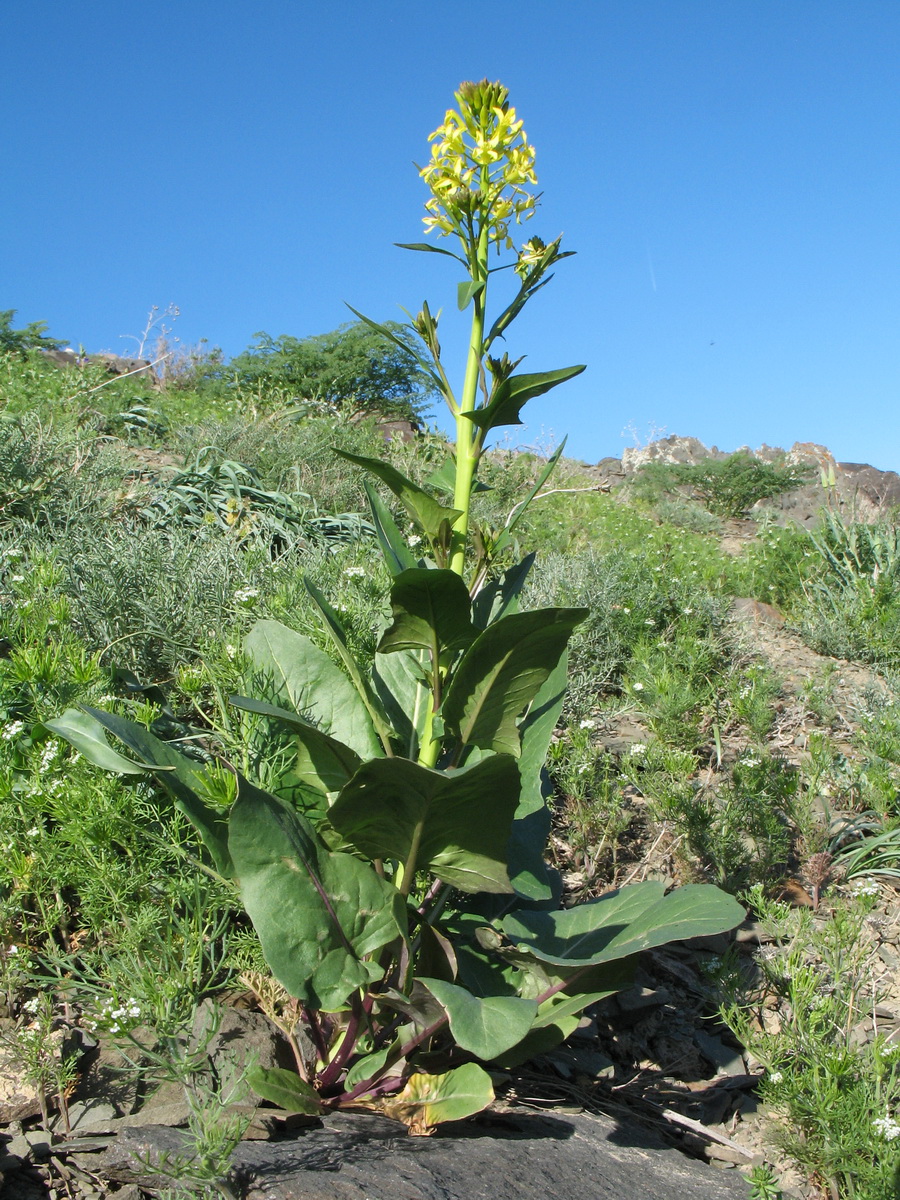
[86, 1114]
[728, 1060]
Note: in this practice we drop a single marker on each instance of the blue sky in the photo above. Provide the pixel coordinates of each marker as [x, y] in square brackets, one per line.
[727, 170]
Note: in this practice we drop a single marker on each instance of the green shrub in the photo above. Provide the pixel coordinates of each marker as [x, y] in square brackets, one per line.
[353, 370]
[728, 487]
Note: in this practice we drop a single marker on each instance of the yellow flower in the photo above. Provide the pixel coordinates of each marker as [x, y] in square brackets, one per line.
[480, 163]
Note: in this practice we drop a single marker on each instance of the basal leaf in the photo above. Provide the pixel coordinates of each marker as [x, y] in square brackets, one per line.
[502, 672]
[367, 1067]
[457, 823]
[427, 1100]
[431, 611]
[623, 922]
[286, 1089]
[302, 677]
[320, 915]
[483, 1027]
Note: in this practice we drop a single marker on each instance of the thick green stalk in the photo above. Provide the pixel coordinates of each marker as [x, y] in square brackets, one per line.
[466, 455]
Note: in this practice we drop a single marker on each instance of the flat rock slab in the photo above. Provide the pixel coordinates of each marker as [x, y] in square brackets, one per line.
[516, 1156]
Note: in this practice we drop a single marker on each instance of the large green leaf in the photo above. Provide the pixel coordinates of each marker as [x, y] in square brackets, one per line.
[431, 611]
[483, 1027]
[455, 824]
[444, 478]
[337, 633]
[396, 552]
[422, 507]
[302, 677]
[528, 872]
[621, 923]
[322, 762]
[427, 1100]
[319, 915]
[286, 1089]
[502, 672]
[514, 392]
[185, 779]
[399, 681]
[86, 734]
[501, 596]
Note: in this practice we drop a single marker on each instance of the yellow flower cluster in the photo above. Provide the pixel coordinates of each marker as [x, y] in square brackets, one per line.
[480, 164]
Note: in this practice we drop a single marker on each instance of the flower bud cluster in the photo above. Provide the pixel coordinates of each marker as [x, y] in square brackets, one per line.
[480, 164]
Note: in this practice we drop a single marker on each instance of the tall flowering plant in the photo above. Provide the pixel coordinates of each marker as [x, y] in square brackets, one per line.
[393, 868]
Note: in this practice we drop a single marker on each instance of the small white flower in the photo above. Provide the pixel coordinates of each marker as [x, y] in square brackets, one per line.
[231, 651]
[776, 1077]
[414, 541]
[13, 950]
[649, 621]
[31, 1006]
[887, 1127]
[33, 831]
[750, 762]
[637, 687]
[242, 595]
[587, 723]
[626, 610]
[890, 1051]
[866, 887]
[17, 578]
[687, 611]
[352, 572]
[13, 730]
[638, 749]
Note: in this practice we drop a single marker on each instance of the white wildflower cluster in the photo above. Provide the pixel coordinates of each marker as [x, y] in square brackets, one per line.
[865, 887]
[32, 1007]
[637, 749]
[887, 1128]
[637, 687]
[245, 594]
[231, 651]
[115, 1017]
[13, 554]
[49, 753]
[890, 1051]
[12, 730]
[414, 541]
[354, 572]
[587, 723]
[749, 762]
[776, 1077]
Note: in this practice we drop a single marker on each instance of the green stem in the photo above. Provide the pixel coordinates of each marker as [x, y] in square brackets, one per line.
[466, 440]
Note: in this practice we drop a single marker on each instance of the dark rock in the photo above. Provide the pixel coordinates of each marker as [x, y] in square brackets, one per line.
[510, 1156]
